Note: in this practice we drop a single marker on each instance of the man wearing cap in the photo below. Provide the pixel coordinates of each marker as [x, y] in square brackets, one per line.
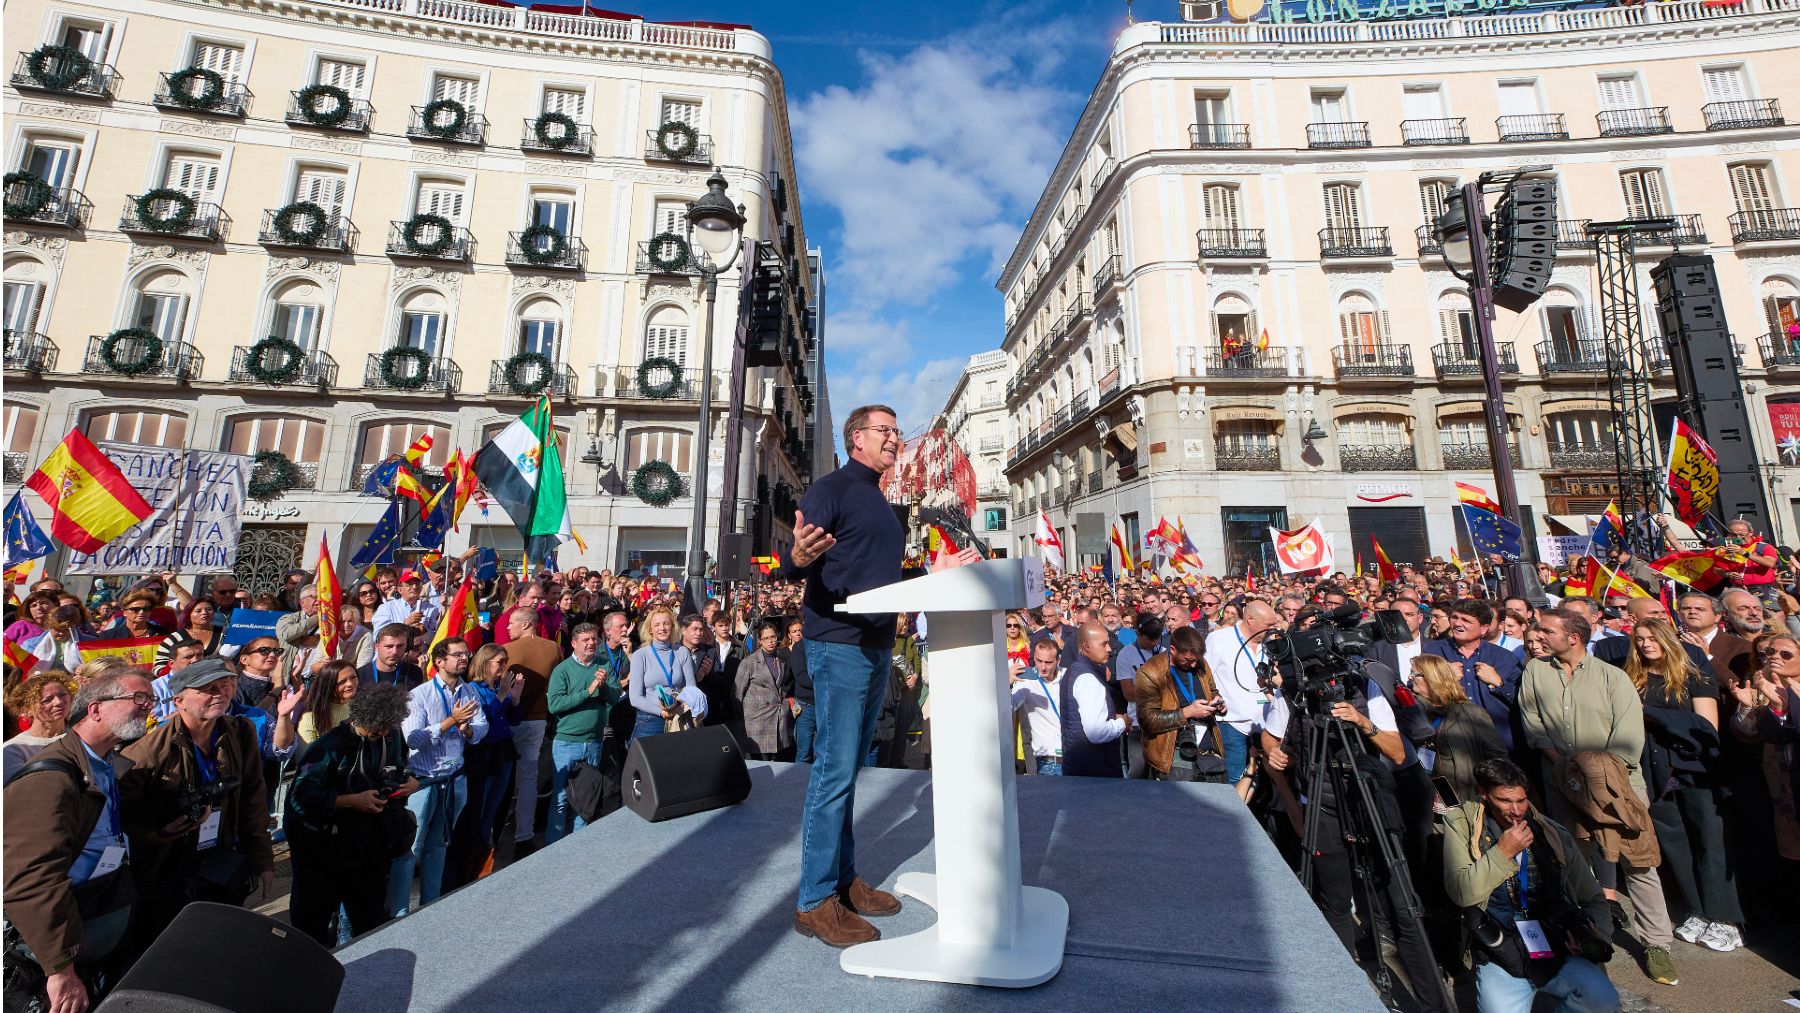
[217, 855]
[410, 607]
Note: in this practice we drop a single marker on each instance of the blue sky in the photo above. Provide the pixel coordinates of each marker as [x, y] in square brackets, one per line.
[924, 134]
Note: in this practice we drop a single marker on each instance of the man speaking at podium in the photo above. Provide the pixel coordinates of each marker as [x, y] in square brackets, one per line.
[846, 540]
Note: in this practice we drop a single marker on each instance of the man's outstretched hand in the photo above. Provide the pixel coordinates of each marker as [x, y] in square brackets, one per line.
[810, 541]
[963, 558]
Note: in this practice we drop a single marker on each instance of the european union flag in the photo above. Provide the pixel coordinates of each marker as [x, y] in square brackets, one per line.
[24, 539]
[436, 521]
[380, 546]
[1493, 534]
[382, 478]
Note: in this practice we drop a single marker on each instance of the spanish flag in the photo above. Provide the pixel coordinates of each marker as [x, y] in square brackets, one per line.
[1476, 496]
[415, 454]
[90, 499]
[1384, 567]
[138, 651]
[1125, 563]
[460, 614]
[21, 659]
[331, 602]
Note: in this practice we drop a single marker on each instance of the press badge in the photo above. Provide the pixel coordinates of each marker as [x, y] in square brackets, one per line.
[1428, 759]
[110, 859]
[209, 830]
[1536, 943]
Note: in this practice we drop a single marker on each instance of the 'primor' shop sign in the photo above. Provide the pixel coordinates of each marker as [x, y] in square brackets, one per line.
[1317, 12]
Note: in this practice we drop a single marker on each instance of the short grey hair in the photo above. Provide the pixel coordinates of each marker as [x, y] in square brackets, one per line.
[860, 417]
[100, 689]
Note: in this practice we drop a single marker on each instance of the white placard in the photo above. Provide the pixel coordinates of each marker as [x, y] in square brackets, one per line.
[195, 522]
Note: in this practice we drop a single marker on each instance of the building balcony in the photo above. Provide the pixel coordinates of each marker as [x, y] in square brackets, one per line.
[31, 352]
[209, 222]
[433, 375]
[18, 465]
[1689, 230]
[1585, 356]
[1247, 362]
[1779, 350]
[339, 236]
[1346, 243]
[1656, 353]
[56, 207]
[1246, 457]
[557, 380]
[1773, 225]
[541, 254]
[1455, 359]
[317, 369]
[656, 150]
[1450, 130]
[472, 131]
[621, 382]
[1598, 455]
[1372, 360]
[1109, 383]
[1337, 135]
[1572, 235]
[1532, 127]
[1231, 244]
[1459, 456]
[1430, 245]
[1641, 122]
[1111, 270]
[991, 444]
[356, 118]
[1103, 175]
[233, 99]
[176, 360]
[1219, 135]
[1743, 114]
[77, 79]
[677, 262]
[1095, 482]
[1377, 458]
[578, 141]
[431, 242]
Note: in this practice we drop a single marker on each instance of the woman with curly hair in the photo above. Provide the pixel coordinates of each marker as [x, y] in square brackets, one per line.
[44, 698]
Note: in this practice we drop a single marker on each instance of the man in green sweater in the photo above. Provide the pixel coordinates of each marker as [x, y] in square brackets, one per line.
[581, 695]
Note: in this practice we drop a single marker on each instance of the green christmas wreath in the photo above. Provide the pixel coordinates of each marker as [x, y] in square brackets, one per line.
[401, 377]
[208, 96]
[658, 391]
[182, 207]
[274, 360]
[555, 130]
[412, 233]
[459, 118]
[145, 338]
[672, 261]
[57, 68]
[656, 483]
[301, 223]
[676, 139]
[528, 373]
[318, 113]
[34, 194]
[550, 252]
[271, 474]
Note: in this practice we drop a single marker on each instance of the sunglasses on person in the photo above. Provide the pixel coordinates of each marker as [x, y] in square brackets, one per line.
[137, 608]
[1014, 626]
[263, 650]
[1783, 655]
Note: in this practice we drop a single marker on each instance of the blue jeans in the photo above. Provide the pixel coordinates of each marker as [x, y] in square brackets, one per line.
[563, 754]
[1237, 752]
[849, 684]
[487, 794]
[1582, 987]
[1049, 768]
[650, 723]
[436, 807]
[806, 726]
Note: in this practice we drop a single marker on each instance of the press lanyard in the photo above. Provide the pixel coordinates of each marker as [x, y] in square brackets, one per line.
[612, 661]
[443, 696]
[1182, 688]
[1048, 696]
[1524, 883]
[1244, 646]
[668, 675]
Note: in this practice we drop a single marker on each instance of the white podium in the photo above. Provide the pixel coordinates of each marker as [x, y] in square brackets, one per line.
[991, 929]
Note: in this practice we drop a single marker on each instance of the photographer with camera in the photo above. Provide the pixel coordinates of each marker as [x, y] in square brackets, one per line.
[1534, 918]
[196, 805]
[1177, 708]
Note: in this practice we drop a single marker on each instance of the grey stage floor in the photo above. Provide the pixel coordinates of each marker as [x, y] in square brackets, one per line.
[1177, 901]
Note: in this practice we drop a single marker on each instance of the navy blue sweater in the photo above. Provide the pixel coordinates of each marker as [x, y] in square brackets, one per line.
[870, 542]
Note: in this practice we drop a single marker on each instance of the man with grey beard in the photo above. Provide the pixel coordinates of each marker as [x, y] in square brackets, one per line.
[64, 829]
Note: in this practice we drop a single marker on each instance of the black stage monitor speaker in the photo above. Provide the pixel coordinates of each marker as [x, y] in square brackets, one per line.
[682, 773]
[213, 958]
[734, 556]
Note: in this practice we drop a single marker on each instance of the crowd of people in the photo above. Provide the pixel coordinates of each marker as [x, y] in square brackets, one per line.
[1538, 758]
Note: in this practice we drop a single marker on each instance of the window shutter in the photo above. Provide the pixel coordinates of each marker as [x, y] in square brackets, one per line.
[1750, 187]
[226, 61]
[1519, 98]
[1619, 92]
[1642, 190]
[681, 111]
[324, 187]
[1343, 206]
[1725, 84]
[21, 306]
[441, 199]
[1433, 194]
[1222, 207]
[342, 74]
[671, 216]
[193, 176]
[53, 163]
[1447, 326]
[567, 101]
[460, 89]
[1383, 330]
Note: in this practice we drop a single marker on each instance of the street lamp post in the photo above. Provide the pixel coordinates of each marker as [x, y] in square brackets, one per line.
[714, 225]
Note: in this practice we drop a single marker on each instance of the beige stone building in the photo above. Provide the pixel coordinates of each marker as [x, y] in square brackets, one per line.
[497, 192]
[974, 418]
[1230, 181]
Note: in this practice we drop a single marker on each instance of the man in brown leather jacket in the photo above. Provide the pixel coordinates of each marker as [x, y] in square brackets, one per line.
[1168, 700]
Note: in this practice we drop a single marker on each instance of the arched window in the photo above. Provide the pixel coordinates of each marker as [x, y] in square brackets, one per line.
[1233, 323]
[671, 446]
[666, 335]
[540, 328]
[382, 440]
[295, 313]
[1087, 369]
[138, 425]
[1362, 327]
[25, 281]
[1565, 331]
[301, 439]
[1780, 299]
[159, 303]
[21, 434]
[1578, 439]
[423, 320]
[1456, 328]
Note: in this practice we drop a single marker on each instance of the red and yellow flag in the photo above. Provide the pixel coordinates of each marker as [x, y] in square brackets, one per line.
[1262, 340]
[1384, 567]
[1476, 496]
[138, 651]
[1693, 473]
[415, 454]
[331, 602]
[459, 473]
[18, 657]
[91, 500]
[460, 616]
[1610, 583]
[1125, 563]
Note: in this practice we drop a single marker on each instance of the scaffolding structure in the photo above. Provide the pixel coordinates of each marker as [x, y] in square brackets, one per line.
[1637, 454]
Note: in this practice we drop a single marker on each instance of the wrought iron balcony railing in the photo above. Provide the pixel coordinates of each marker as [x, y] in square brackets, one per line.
[1095, 482]
[1247, 361]
[1372, 360]
[990, 444]
[543, 255]
[1689, 231]
[1743, 114]
[1768, 225]
[1587, 355]
[1103, 175]
[673, 260]
[316, 368]
[556, 379]
[176, 360]
[1360, 242]
[84, 78]
[1532, 127]
[1246, 457]
[1219, 135]
[209, 222]
[1571, 234]
[30, 351]
[1111, 270]
[1596, 455]
[1465, 456]
[1378, 457]
[621, 382]
[339, 236]
[58, 207]
[1449, 130]
[579, 141]
[434, 374]
[1231, 243]
[1779, 350]
[1656, 353]
[356, 118]
[1430, 244]
[430, 243]
[1337, 135]
[656, 151]
[1640, 122]
[1456, 359]
[472, 130]
[233, 99]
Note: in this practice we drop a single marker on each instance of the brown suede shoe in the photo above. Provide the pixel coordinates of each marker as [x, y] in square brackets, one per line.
[835, 925]
[866, 900]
